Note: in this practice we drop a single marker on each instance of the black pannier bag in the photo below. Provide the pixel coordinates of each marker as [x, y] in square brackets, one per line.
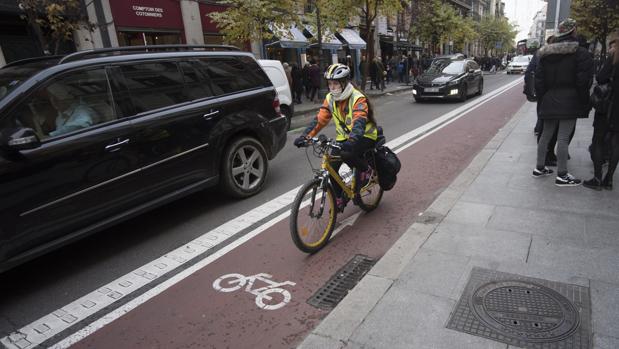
[388, 165]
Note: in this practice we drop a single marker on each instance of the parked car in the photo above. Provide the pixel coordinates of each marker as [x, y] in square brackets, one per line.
[518, 64]
[96, 137]
[277, 75]
[449, 77]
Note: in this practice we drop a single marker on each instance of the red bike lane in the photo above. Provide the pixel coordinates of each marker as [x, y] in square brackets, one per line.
[193, 314]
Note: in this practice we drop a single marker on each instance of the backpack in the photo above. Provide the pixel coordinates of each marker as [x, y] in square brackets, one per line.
[388, 165]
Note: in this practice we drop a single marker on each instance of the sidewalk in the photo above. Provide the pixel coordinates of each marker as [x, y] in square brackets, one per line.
[495, 216]
[304, 112]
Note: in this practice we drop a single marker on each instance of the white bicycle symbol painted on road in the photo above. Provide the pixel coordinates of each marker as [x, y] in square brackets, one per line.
[264, 295]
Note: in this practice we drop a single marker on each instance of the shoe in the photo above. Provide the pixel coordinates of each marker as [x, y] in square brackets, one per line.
[543, 172]
[567, 180]
[593, 183]
[340, 204]
[607, 183]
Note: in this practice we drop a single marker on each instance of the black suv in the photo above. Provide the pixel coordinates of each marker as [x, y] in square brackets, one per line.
[449, 77]
[96, 137]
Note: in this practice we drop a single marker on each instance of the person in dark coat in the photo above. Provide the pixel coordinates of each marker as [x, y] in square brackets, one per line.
[529, 90]
[297, 83]
[562, 81]
[606, 125]
[373, 74]
[314, 75]
[307, 84]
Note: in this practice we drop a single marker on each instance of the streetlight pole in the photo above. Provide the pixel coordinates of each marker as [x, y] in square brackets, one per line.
[557, 8]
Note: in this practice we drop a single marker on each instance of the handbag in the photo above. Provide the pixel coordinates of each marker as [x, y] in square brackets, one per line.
[602, 94]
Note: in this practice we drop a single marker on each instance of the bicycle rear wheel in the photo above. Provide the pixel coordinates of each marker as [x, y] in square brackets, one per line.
[313, 216]
[370, 195]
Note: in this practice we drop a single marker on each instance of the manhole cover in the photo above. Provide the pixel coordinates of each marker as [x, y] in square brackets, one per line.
[328, 296]
[526, 312]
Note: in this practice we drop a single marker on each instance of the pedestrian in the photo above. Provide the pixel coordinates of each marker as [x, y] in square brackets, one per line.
[562, 80]
[307, 84]
[409, 68]
[314, 76]
[529, 90]
[351, 66]
[297, 83]
[373, 74]
[380, 74]
[606, 124]
[363, 69]
[389, 69]
[401, 71]
[288, 71]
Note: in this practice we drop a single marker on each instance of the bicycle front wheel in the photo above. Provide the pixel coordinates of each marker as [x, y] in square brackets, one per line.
[313, 216]
[370, 195]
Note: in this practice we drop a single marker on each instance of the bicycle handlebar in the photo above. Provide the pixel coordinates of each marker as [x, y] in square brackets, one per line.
[323, 141]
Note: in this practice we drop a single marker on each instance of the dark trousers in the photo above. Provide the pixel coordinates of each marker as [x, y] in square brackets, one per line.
[353, 158]
[604, 145]
[312, 93]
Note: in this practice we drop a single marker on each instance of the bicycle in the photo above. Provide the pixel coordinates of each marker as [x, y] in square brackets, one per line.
[308, 233]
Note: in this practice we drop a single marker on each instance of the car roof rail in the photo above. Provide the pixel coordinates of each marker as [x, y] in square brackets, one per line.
[140, 49]
[31, 60]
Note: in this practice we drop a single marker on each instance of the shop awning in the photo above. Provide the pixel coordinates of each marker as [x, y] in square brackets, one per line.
[289, 38]
[351, 38]
[329, 41]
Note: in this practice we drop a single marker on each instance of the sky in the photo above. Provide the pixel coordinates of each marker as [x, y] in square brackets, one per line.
[521, 12]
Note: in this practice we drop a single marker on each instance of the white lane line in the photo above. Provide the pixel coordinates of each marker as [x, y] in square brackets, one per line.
[62, 319]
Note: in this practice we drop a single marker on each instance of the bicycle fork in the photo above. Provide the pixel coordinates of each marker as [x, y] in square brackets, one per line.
[321, 209]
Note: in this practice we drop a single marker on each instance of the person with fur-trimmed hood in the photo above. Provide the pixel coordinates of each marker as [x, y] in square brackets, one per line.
[563, 78]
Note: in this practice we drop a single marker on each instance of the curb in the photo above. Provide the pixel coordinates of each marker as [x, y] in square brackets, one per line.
[339, 325]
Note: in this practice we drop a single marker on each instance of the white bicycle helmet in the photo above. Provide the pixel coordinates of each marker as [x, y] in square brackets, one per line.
[337, 71]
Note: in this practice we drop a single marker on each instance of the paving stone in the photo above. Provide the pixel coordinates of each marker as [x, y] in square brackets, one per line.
[552, 224]
[605, 308]
[415, 320]
[600, 232]
[473, 241]
[433, 272]
[470, 213]
[604, 342]
[593, 263]
[314, 341]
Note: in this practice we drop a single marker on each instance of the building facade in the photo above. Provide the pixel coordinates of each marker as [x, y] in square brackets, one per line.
[537, 33]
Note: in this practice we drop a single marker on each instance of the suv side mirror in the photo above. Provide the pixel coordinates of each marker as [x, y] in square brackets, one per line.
[20, 139]
[471, 71]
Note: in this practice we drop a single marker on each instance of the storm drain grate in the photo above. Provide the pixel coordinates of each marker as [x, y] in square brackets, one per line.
[328, 296]
[524, 312]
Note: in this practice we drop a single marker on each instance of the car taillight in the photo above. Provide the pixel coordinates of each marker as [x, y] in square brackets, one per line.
[276, 106]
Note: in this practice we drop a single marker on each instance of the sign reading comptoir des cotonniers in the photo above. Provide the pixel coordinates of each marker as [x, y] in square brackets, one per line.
[147, 11]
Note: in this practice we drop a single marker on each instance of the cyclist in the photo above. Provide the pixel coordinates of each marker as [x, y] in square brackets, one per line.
[354, 123]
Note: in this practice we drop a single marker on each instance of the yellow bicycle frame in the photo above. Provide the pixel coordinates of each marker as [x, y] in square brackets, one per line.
[326, 165]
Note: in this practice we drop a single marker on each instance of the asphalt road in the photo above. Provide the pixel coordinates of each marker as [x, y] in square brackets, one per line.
[48, 283]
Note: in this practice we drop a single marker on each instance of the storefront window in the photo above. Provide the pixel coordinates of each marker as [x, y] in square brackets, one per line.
[136, 38]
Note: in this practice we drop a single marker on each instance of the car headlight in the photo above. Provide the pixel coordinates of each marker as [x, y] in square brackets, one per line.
[453, 82]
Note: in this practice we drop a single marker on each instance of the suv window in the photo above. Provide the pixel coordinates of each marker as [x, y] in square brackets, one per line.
[473, 65]
[195, 86]
[228, 75]
[71, 102]
[154, 85]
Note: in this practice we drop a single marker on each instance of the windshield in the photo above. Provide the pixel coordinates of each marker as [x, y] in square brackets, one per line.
[11, 77]
[521, 59]
[446, 66]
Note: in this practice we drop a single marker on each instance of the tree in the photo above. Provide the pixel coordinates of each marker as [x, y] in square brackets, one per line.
[495, 30]
[436, 22]
[369, 10]
[54, 21]
[255, 19]
[463, 32]
[596, 19]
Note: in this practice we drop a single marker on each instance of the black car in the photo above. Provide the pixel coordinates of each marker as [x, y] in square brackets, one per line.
[100, 136]
[449, 77]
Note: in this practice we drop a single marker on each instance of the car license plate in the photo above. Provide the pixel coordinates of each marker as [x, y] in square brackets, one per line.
[431, 89]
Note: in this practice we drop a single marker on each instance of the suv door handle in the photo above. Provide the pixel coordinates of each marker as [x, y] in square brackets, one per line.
[116, 146]
[210, 115]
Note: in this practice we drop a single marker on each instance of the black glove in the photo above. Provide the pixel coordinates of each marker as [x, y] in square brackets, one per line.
[300, 142]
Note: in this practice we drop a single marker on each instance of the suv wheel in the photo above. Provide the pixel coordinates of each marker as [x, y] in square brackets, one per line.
[244, 167]
[463, 93]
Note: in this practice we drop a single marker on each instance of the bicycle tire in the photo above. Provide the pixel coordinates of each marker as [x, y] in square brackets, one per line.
[331, 211]
[370, 202]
